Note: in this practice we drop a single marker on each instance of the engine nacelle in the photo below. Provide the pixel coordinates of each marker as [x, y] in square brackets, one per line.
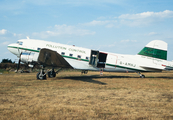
[29, 57]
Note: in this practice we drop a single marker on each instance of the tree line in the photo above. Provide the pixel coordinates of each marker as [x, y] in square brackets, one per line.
[9, 64]
[7, 61]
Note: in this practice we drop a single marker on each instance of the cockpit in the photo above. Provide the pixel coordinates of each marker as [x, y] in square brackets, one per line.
[19, 43]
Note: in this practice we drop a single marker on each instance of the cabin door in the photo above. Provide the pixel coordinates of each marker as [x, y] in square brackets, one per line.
[94, 58]
[98, 59]
[102, 60]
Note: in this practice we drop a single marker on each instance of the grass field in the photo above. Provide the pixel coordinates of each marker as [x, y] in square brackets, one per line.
[74, 96]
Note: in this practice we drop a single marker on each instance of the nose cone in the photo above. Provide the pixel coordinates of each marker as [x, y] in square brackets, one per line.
[10, 47]
[13, 49]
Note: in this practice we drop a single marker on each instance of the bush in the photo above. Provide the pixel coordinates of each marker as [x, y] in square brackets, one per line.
[7, 65]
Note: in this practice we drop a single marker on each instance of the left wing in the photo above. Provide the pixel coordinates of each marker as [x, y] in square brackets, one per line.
[51, 58]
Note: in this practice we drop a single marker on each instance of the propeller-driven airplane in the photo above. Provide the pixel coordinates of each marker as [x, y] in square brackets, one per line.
[152, 58]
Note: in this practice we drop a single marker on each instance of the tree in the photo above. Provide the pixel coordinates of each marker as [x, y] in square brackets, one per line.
[6, 61]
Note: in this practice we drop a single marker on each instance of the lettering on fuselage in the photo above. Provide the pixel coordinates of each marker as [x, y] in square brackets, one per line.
[127, 64]
[57, 47]
[76, 50]
[64, 48]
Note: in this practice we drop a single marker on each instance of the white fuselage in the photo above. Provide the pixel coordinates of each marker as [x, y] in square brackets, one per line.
[80, 58]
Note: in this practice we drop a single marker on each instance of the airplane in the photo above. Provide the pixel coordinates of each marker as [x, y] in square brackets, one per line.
[152, 58]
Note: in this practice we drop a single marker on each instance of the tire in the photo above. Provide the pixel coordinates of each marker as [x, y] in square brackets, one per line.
[86, 71]
[142, 76]
[41, 77]
[51, 74]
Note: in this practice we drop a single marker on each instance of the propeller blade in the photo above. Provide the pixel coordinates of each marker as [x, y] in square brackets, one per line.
[18, 65]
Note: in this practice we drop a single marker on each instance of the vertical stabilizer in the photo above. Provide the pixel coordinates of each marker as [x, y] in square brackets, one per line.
[155, 49]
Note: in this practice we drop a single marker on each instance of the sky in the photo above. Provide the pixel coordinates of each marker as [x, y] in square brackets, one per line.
[117, 26]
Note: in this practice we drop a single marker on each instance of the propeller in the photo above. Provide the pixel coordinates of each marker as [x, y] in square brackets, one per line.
[18, 65]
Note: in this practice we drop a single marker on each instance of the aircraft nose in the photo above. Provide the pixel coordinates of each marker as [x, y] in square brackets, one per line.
[10, 47]
[13, 49]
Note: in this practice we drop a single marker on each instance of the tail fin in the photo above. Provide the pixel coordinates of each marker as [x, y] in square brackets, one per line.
[155, 49]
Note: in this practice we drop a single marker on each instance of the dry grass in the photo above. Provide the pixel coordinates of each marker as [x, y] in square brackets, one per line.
[74, 96]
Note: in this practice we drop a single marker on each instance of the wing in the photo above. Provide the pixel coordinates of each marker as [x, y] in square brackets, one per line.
[51, 58]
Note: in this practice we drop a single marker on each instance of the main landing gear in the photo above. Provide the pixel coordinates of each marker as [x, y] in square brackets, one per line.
[41, 75]
[141, 75]
[51, 74]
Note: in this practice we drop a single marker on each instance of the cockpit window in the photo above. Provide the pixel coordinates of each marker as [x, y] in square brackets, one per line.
[20, 43]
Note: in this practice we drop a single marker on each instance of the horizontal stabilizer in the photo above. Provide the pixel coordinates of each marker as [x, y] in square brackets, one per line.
[168, 68]
[51, 58]
[153, 68]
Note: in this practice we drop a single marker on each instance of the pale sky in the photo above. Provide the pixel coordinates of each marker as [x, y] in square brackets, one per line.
[117, 26]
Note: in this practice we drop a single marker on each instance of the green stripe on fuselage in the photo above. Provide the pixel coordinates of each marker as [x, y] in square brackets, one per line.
[24, 49]
[112, 65]
[155, 53]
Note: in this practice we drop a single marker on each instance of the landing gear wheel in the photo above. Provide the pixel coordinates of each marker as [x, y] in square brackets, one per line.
[51, 74]
[142, 76]
[41, 76]
[84, 71]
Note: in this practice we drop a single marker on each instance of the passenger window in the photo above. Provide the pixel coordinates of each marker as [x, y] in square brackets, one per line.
[62, 53]
[79, 56]
[87, 58]
[38, 48]
[71, 55]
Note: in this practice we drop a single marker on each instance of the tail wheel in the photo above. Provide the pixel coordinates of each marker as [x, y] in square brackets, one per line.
[142, 76]
[84, 71]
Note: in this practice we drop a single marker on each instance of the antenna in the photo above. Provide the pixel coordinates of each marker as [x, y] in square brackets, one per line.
[27, 37]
